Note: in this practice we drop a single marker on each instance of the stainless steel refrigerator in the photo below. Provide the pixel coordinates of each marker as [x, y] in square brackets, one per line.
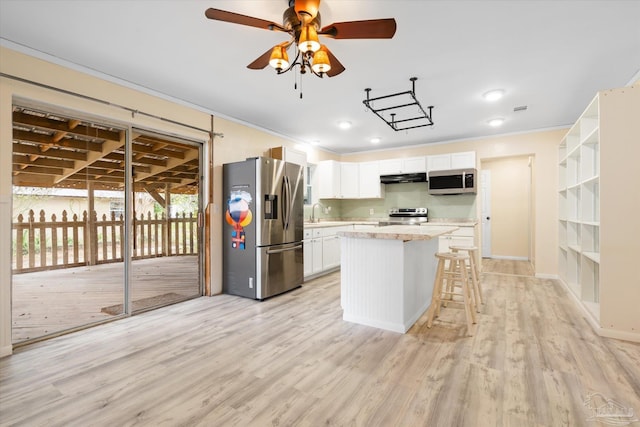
[262, 227]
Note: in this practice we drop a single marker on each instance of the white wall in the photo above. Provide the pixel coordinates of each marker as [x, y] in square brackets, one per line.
[239, 142]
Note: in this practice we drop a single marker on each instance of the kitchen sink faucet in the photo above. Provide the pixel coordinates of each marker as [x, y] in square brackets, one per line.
[313, 217]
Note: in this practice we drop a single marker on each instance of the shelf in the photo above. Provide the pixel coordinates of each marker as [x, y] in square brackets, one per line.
[592, 223]
[595, 178]
[593, 256]
[574, 186]
[592, 137]
[572, 139]
[589, 130]
[610, 137]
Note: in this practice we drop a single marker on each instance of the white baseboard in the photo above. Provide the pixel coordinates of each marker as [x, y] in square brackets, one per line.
[7, 350]
[547, 276]
[512, 258]
[595, 323]
[619, 335]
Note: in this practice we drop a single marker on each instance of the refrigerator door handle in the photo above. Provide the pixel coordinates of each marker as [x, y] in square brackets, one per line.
[283, 203]
[286, 202]
[277, 251]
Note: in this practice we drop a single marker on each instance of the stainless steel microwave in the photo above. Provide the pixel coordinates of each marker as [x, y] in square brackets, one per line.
[453, 181]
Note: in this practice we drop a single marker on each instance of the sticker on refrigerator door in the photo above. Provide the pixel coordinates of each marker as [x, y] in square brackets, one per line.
[238, 216]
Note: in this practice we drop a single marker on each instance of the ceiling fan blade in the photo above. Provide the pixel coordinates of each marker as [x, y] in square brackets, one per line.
[262, 61]
[336, 66]
[236, 18]
[369, 29]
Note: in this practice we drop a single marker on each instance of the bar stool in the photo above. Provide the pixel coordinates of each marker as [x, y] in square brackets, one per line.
[474, 272]
[450, 283]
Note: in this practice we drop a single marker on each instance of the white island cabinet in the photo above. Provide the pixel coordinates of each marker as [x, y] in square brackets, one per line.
[387, 274]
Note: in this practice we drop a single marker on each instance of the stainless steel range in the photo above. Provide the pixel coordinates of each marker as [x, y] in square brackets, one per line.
[406, 216]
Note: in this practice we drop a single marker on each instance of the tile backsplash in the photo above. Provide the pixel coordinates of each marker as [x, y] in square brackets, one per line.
[406, 195]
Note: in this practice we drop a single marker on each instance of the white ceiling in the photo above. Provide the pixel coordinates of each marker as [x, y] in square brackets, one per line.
[551, 56]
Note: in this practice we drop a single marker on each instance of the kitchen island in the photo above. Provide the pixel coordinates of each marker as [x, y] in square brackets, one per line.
[387, 274]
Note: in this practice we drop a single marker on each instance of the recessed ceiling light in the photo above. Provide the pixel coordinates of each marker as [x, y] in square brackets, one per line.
[376, 140]
[344, 124]
[498, 121]
[493, 95]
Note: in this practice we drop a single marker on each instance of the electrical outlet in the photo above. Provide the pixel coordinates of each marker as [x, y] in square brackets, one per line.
[371, 211]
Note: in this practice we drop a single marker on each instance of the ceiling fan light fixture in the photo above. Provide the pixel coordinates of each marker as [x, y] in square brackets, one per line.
[308, 9]
[279, 58]
[308, 41]
[321, 63]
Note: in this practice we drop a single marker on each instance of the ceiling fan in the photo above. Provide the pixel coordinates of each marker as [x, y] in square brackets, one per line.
[301, 20]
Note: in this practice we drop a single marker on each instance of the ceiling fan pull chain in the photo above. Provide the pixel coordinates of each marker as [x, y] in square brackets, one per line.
[300, 86]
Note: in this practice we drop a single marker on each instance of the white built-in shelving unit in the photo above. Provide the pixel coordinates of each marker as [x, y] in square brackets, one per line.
[580, 208]
[606, 130]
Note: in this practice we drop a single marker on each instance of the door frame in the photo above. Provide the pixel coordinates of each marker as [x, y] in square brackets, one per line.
[485, 211]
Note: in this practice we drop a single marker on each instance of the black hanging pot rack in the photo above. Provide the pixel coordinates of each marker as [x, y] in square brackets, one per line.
[415, 118]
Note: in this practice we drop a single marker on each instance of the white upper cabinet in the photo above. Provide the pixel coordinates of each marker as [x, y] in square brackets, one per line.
[370, 186]
[439, 162]
[415, 164]
[462, 160]
[407, 165]
[349, 180]
[390, 166]
[328, 183]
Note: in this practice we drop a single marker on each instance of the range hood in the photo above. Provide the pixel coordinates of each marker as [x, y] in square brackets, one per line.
[403, 177]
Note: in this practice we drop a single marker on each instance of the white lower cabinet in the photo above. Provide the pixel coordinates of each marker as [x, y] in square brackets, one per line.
[322, 249]
[312, 247]
[330, 252]
[463, 236]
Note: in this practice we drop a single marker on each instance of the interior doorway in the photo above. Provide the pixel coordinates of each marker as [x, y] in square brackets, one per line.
[508, 203]
[105, 221]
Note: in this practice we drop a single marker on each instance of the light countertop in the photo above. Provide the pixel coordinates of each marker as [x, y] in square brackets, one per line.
[437, 222]
[449, 224]
[400, 232]
[337, 223]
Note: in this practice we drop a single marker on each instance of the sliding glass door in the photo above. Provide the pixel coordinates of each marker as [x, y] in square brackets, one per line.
[165, 244]
[105, 222]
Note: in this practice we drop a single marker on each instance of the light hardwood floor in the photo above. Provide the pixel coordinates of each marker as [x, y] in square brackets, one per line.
[506, 266]
[293, 361]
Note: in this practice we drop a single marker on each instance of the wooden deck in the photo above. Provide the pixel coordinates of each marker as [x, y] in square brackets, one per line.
[292, 361]
[48, 302]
